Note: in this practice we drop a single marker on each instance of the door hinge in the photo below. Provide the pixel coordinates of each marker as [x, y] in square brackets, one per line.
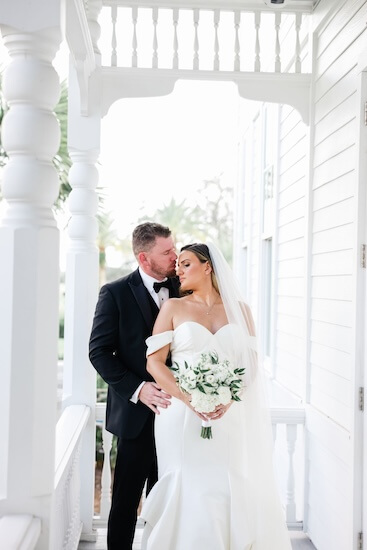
[361, 399]
[365, 113]
[360, 541]
[363, 256]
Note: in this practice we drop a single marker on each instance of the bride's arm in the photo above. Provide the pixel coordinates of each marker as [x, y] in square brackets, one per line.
[156, 363]
[156, 366]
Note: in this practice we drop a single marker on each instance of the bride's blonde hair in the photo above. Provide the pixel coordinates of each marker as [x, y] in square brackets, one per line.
[201, 251]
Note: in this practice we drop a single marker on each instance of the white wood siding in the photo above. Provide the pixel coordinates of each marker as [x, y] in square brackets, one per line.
[289, 337]
[317, 188]
[332, 275]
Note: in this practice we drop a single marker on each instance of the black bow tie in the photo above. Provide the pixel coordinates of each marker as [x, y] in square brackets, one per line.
[165, 284]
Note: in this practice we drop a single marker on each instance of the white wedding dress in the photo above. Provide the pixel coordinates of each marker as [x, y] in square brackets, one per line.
[203, 499]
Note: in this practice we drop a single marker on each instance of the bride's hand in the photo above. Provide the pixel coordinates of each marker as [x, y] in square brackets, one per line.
[219, 411]
[186, 398]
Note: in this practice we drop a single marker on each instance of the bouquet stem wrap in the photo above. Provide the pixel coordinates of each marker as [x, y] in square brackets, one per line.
[206, 429]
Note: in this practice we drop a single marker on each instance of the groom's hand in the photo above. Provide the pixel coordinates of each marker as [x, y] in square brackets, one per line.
[153, 397]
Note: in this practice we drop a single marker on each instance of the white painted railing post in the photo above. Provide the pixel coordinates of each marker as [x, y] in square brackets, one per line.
[290, 418]
[134, 59]
[82, 270]
[291, 444]
[216, 40]
[297, 60]
[29, 251]
[106, 474]
[277, 21]
[196, 15]
[113, 40]
[155, 38]
[237, 22]
[175, 16]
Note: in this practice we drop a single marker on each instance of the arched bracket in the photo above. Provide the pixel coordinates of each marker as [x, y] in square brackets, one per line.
[118, 83]
[288, 88]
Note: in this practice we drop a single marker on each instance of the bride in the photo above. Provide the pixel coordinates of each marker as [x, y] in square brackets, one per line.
[219, 493]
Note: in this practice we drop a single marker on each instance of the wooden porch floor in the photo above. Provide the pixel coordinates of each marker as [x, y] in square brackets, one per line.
[300, 541]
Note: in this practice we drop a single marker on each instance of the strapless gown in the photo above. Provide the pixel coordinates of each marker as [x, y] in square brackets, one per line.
[203, 499]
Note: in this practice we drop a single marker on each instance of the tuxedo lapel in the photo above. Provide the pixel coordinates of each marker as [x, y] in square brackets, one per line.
[142, 298]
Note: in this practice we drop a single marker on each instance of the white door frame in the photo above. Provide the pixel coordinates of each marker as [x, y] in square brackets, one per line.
[359, 427]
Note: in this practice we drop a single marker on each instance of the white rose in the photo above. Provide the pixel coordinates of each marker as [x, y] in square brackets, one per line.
[224, 395]
[210, 378]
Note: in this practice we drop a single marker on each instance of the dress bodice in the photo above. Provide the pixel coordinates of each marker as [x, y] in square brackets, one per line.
[190, 339]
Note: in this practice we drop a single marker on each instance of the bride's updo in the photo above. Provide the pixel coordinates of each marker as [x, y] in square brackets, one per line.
[201, 251]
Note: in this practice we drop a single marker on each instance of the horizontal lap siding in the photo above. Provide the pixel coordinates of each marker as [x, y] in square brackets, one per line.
[329, 422]
[289, 341]
[255, 213]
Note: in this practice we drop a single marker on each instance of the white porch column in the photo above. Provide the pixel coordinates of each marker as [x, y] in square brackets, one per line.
[29, 252]
[82, 268]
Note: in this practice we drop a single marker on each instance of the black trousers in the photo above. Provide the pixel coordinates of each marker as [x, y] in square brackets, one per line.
[136, 463]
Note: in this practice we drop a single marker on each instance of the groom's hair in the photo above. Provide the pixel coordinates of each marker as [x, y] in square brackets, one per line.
[145, 234]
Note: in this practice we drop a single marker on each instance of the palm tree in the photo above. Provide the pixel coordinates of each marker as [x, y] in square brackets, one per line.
[61, 160]
[217, 204]
[210, 219]
[185, 222]
[106, 236]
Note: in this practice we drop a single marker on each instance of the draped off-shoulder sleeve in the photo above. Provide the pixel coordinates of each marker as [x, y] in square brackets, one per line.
[158, 341]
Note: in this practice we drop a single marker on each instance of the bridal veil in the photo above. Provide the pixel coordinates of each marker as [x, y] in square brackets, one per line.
[270, 526]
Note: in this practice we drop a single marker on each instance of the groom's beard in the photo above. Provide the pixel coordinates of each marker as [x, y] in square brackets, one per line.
[161, 273]
[171, 273]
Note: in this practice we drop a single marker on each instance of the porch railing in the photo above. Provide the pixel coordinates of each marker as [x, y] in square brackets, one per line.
[66, 525]
[288, 424]
[19, 531]
[164, 36]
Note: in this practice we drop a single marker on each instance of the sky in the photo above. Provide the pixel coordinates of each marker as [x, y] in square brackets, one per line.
[157, 148]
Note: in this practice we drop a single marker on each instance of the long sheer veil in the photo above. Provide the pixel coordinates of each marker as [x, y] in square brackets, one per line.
[270, 527]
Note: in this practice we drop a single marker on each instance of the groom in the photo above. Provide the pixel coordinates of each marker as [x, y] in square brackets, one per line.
[124, 318]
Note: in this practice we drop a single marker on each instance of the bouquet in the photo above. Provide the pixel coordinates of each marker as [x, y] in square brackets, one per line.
[210, 382]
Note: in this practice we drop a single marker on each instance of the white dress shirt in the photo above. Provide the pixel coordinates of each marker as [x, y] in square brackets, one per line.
[159, 298]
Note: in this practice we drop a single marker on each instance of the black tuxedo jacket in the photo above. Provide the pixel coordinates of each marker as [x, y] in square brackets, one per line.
[124, 318]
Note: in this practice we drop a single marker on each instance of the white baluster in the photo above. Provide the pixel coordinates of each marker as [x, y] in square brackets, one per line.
[277, 43]
[134, 60]
[196, 40]
[274, 430]
[216, 40]
[114, 41]
[291, 504]
[175, 15]
[155, 38]
[237, 21]
[297, 63]
[106, 474]
[93, 11]
[257, 41]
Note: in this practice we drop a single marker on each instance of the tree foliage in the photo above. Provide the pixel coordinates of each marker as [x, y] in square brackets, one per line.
[61, 160]
[210, 219]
